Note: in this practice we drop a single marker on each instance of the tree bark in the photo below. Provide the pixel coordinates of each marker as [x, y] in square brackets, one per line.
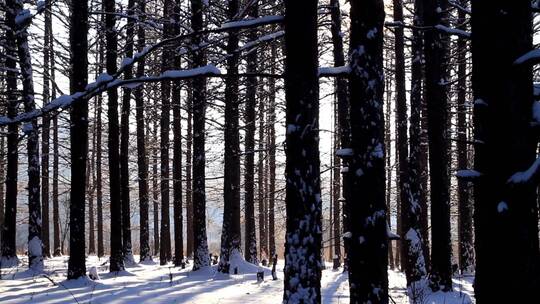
[200, 258]
[189, 181]
[250, 251]
[116, 259]
[230, 234]
[435, 50]
[368, 252]
[506, 218]
[303, 197]
[142, 161]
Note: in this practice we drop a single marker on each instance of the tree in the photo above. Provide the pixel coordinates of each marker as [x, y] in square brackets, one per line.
[303, 197]
[231, 234]
[368, 252]
[250, 250]
[142, 162]
[506, 218]
[116, 259]
[9, 228]
[124, 141]
[200, 243]
[465, 227]
[435, 50]
[79, 139]
[166, 64]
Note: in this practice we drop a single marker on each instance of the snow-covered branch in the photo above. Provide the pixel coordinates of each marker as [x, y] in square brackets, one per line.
[528, 175]
[531, 57]
[334, 71]
[453, 31]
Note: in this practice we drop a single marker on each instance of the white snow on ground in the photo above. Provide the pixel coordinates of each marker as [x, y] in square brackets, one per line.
[151, 283]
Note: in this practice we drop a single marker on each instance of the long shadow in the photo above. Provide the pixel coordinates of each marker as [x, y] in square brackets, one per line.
[330, 290]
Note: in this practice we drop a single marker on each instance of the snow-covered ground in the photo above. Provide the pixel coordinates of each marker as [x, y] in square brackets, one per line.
[151, 283]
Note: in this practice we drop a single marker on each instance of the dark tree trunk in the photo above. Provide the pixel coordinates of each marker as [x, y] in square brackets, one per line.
[99, 192]
[303, 197]
[342, 101]
[155, 188]
[368, 253]
[436, 44]
[389, 170]
[230, 233]
[164, 124]
[116, 259]
[250, 251]
[177, 155]
[56, 160]
[142, 161]
[124, 142]
[200, 243]
[506, 219]
[30, 129]
[271, 147]
[465, 227]
[9, 228]
[91, 191]
[418, 123]
[45, 137]
[263, 232]
[189, 182]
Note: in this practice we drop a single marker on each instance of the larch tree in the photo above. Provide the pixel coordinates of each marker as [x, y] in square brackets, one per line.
[302, 170]
[231, 232]
[368, 252]
[116, 262]
[436, 55]
[200, 242]
[506, 218]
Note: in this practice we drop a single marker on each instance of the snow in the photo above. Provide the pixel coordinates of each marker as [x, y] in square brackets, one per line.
[453, 31]
[527, 57]
[205, 70]
[332, 71]
[527, 175]
[23, 16]
[502, 206]
[269, 37]
[468, 174]
[152, 283]
[344, 152]
[252, 22]
[35, 247]
[536, 111]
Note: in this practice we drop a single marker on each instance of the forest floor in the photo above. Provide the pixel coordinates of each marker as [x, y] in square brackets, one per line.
[152, 283]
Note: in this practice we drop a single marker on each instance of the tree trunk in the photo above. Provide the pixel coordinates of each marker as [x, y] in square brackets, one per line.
[506, 219]
[250, 251]
[465, 225]
[177, 155]
[436, 44]
[124, 142]
[200, 243]
[30, 129]
[155, 188]
[263, 233]
[9, 228]
[271, 136]
[230, 234]
[142, 161]
[116, 259]
[45, 137]
[166, 64]
[303, 197]
[189, 181]
[368, 253]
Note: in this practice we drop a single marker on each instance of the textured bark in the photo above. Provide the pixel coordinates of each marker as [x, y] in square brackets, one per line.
[303, 201]
[368, 252]
[35, 245]
[200, 243]
[116, 259]
[506, 218]
[189, 181]
[341, 99]
[263, 232]
[164, 127]
[250, 250]
[155, 188]
[124, 142]
[91, 188]
[465, 225]
[9, 228]
[98, 185]
[45, 137]
[142, 161]
[230, 233]
[271, 136]
[436, 45]
[177, 154]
